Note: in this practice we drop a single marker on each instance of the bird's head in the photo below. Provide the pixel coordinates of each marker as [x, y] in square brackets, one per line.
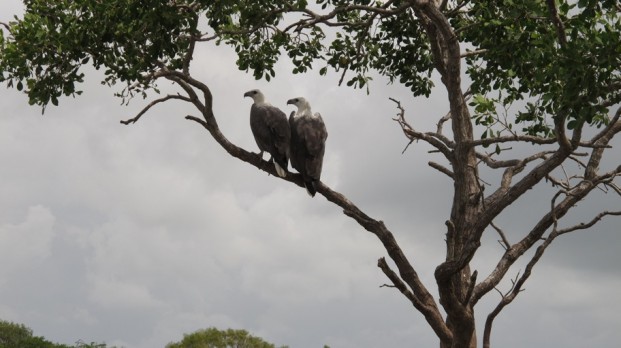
[300, 102]
[256, 95]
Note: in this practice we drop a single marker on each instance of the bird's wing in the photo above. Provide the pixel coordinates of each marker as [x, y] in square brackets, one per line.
[314, 134]
[260, 130]
[276, 120]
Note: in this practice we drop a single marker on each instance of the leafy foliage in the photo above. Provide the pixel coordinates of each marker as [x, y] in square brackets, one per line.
[557, 62]
[14, 335]
[567, 70]
[54, 39]
[214, 338]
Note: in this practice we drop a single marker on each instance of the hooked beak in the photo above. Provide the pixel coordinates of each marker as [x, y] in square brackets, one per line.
[290, 101]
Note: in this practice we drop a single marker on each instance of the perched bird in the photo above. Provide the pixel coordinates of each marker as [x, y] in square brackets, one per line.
[271, 130]
[308, 143]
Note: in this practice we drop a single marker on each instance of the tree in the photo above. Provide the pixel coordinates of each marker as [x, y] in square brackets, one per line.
[214, 338]
[14, 335]
[539, 79]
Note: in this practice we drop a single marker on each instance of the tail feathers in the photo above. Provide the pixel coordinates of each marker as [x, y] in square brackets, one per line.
[311, 187]
[282, 172]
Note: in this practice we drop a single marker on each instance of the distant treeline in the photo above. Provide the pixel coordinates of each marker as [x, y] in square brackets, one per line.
[13, 335]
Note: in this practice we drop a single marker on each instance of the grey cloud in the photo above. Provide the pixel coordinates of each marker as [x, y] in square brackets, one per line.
[141, 233]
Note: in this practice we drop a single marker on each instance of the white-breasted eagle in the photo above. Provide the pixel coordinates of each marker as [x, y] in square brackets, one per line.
[271, 130]
[308, 143]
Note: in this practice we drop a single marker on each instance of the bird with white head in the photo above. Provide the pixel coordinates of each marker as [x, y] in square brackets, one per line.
[271, 130]
[308, 143]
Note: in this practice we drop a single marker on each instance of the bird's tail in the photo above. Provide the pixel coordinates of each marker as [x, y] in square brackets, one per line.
[311, 187]
[282, 172]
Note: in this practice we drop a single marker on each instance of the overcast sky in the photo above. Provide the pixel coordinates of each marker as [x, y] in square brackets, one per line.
[135, 235]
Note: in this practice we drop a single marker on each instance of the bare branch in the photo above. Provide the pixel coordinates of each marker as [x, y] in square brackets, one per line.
[583, 226]
[557, 211]
[516, 167]
[153, 103]
[473, 53]
[557, 182]
[429, 307]
[442, 169]
[438, 141]
[398, 283]
[504, 241]
[442, 121]
[473, 281]
[516, 288]
[614, 187]
[513, 138]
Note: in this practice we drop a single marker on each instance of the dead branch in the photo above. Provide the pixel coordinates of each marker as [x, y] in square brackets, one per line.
[387, 286]
[398, 283]
[614, 187]
[435, 140]
[518, 167]
[473, 281]
[557, 182]
[504, 241]
[513, 138]
[406, 271]
[442, 169]
[550, 219]
[473, 53]
[153, 103]
[583, 225]
[442, 121]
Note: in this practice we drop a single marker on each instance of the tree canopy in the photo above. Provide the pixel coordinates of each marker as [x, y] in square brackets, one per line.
[214, 338]
[537, 73]
[13, 335]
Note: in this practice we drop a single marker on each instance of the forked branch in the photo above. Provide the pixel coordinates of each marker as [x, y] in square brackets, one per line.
[518, 284]
[440, 142]
[425, 301]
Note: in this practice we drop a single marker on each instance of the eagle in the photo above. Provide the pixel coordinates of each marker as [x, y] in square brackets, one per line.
[271, 130]
[308, 143]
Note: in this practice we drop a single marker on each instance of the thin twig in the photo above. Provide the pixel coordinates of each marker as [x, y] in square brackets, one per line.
[153, 103]
[583, 225]
[505, 242]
